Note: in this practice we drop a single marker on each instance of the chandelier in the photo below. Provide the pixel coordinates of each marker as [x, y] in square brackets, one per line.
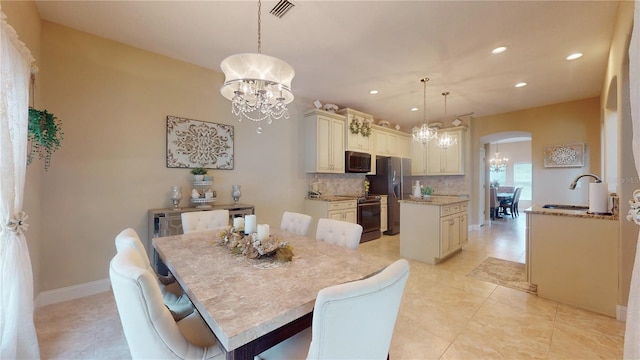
[424, 133]
[498, 163]
[259, 86]
[445, 140]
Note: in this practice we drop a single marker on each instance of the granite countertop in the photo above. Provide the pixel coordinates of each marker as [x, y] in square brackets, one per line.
[437, 201]
[538, 209]
[334, 198]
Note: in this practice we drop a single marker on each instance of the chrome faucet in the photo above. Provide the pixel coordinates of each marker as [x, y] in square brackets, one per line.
[573, 184]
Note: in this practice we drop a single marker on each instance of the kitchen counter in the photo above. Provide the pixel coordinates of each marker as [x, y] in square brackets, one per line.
[437, 200]
[538, 209]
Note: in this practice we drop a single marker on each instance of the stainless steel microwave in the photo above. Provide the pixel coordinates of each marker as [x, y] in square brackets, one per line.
[357, 162]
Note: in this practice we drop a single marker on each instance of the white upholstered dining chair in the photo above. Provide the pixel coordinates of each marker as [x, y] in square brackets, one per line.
[149, 328]
[296, 223]
[354, 320]
[173, 296]
[193, 221]
[339, 232]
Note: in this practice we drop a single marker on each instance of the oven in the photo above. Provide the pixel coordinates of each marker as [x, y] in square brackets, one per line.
[369, 217]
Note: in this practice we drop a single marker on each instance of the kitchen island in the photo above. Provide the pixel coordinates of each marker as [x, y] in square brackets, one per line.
[572, 257]
[434, 229]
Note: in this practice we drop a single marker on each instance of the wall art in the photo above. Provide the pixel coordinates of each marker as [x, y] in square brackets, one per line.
[194, 143]
[568, 155]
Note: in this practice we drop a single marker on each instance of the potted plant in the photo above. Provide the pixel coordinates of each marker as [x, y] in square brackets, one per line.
[426, 191]
[45, 134]
[198, 173]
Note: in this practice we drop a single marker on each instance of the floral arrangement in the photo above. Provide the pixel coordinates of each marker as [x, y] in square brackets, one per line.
[253, 248]
[362, 127]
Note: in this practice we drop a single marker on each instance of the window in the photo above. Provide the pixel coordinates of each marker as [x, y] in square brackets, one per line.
[522, 178]
[500, 177]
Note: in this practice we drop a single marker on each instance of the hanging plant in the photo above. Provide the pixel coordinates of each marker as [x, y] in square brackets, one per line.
[45, 134]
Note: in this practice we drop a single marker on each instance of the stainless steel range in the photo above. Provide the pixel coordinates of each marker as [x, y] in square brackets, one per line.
[369, 217]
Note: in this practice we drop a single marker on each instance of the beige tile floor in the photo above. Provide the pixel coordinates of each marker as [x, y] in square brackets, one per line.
[444, 315]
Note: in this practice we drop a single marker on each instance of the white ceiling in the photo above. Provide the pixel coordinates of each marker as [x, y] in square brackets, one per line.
[342, 49]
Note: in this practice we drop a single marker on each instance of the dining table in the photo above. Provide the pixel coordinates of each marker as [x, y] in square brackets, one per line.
[253, 304]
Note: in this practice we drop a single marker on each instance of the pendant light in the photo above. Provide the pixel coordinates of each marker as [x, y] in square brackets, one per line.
[445, 140]
[259, 86]
[498, 163]
[424, 133]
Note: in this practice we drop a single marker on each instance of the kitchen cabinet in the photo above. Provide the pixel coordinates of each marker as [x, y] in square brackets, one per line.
[386, 143]
[448, 161]
[574, 259]
[432, 231]
[324, 142]
[343, 210]
[357, 141]
[418, 159]
[383, 213]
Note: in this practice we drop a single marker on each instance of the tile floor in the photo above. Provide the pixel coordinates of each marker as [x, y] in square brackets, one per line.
[444, 315]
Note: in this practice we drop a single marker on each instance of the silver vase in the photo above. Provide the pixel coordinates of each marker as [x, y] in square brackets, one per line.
[235, 193]
[176, 195]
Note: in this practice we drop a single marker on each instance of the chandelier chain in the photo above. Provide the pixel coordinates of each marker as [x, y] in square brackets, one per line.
[259, 27]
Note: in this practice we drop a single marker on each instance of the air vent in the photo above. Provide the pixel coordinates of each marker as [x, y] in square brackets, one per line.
[281, 8]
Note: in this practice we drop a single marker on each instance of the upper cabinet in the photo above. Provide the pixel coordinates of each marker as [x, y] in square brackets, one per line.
[418, 159]
[356, 140]
[324, 142]
[386, 143]
[449, 161]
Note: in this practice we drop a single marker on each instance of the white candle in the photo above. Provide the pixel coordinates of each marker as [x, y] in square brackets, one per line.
[238, 223]
[249, 224]
[263, 231]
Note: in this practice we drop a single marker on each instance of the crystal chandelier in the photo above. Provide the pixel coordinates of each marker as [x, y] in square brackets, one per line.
[259, 86]
[424, 133]
[498, 163]
[445, 140]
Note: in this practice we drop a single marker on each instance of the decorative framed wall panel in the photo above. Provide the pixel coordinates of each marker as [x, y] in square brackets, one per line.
[194, 143]
[568, 155]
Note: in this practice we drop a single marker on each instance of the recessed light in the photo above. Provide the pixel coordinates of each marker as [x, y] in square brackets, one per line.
[414, 109]
[373, 92]
[574, 56]
[521, 84]
[499, 50]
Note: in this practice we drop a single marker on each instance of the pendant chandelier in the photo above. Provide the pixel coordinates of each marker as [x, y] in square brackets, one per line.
[259, 86]
[445, 140]
[498, 163]
[424, 133]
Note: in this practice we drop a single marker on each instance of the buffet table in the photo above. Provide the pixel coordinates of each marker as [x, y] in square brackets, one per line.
[252, 304]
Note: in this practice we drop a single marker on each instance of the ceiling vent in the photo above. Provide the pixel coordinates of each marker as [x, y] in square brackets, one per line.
[281, 8]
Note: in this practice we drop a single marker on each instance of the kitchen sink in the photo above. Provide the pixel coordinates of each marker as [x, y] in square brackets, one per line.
[566, 207]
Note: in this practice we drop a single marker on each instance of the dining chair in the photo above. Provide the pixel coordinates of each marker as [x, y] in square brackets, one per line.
[494, 204]
[150, 330]
[514, 202]
[296, 223]
[354, 320]
[193, 221]
[173, 296]
[339, 232]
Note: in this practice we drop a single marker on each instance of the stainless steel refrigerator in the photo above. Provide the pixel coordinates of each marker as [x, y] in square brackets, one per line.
[392, 179]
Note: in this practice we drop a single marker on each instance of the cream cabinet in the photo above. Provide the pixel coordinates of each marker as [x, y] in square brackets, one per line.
[418, 159]
[432, 231]
[386, 143]
[324, 142]
[343, 210]
[448, 161]
[357, 141]
[404, 146]
[383, 213]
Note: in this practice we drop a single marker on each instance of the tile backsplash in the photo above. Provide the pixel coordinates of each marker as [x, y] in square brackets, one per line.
[338, 184]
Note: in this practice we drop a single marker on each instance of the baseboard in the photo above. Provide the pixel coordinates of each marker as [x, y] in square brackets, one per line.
[621, 313]
[72, 292]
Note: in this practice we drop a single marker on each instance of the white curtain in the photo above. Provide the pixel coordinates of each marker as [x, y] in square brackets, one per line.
[632, 333]
[18, 338]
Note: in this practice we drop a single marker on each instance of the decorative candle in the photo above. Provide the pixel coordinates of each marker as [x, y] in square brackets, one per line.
[238, 223]
[249, 224]
[263, 231]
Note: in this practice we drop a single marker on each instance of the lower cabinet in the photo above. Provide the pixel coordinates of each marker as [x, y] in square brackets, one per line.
[430, 232]
[343, 210]
[383, 213]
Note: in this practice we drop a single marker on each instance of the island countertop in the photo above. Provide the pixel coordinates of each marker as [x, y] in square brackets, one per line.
[538, 209]
[437, 201]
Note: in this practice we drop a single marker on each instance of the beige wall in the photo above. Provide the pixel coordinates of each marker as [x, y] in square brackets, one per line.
[615, 97]
[113, 100]
[25, 19]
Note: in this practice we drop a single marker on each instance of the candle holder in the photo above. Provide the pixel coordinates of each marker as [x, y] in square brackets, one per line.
[176, 196]
[235, 193]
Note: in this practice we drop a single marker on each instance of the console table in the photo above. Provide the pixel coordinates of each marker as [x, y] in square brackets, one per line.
[168, 221]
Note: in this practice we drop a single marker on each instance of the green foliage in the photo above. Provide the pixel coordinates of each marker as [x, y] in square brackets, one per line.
[45, 134]
[427, 190]
[199, 171]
